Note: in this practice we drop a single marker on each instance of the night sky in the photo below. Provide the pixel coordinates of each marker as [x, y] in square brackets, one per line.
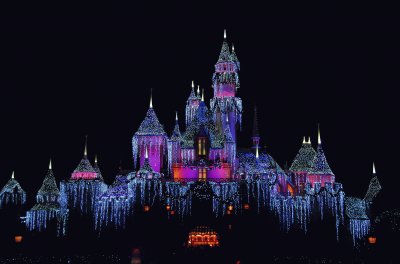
[68, 71]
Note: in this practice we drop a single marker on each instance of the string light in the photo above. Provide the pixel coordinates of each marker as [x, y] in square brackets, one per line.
[12, 193]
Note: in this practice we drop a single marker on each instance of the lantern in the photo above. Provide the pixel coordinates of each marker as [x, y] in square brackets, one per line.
[372, 240]
[230, 207]
[246, 206]
[146, 208]
[18, 239]
[168, 207]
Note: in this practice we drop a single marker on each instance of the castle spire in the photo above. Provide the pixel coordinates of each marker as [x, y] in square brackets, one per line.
[202, 95]
[146, 154]
[198, 90]
[224, 34]
[304, 140]
[192, 84]
[176, 116]
[12, 175]
[257, 155]
[95, 159]
[50, 165]
[85, 151]
[373, 168]
[309, 140]
[151, 98]
[319, 136]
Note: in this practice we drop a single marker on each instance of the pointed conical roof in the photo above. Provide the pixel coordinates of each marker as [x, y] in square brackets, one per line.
[150, 125]
[97, 169]
[320, 164]
[304, 159]
[227, 133]
[256, 133]
[224, 55]
[192, 95]
[374, 186]
[176, 134]
[11, 185]
[49, 186]
[233, 56]
[84, 165]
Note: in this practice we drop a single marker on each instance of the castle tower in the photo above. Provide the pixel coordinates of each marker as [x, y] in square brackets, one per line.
[192, 104]
[174, 145]
[302, 164]
[225, 84]
[150, 136]
[374, 187]
[12, 193]
[320, 171]
[256, 134]
[47, 206]
[84, 187]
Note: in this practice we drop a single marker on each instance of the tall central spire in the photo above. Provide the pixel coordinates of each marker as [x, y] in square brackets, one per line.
[151, 98]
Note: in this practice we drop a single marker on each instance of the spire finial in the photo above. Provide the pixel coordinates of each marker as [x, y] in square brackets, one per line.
[257, 155]
[192, 84]
[95, 159]
[319, 135]
[12, 175]
[176, 115]
[85, 151]
[146, 154]
[304, 140]
[233, 48]
[151, 98]
[198, 90]
[224, 33]
[202, 95]
[309, 140]
[373, 168]
[50, 165]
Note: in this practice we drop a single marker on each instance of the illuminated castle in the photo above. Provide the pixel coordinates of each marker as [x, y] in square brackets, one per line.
[207, 147]
[201, 162]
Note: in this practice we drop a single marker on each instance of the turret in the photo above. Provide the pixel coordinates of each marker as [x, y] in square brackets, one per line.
[12, 193]
[374, 186]
[226, 79]
[225, 84]
[320, 170]
[192, 104]
[150, 135]
[84, 170]
[174, 145]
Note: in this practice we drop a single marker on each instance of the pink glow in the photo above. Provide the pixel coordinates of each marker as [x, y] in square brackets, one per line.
[322, 178]
[192, 172]
[84, 175]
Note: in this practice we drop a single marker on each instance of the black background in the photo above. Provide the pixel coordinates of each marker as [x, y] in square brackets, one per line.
[72, 70]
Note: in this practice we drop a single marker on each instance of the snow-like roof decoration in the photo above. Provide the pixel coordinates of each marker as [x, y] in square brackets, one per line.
[176, 134]
[203, 121]
[356, 208]
[224, 55]
[228, 135]
[49, 186]
[98, 172]
[150, 125]
[374, 187]
[304, 159]
[11, 187]
[265, 164]
[233, 56]
[320, 164]
[84, 165]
